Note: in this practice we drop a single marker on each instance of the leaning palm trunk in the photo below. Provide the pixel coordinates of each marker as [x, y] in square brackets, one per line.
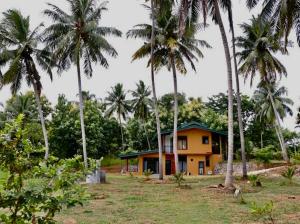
[279, 132]
[229, 172]
[175, 115]
[239, 106]
[122, 135]
[81, 114]
[156, 110]
[41, 115]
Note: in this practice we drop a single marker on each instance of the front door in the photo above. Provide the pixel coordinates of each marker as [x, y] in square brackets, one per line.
[201, 168]
[168, 167]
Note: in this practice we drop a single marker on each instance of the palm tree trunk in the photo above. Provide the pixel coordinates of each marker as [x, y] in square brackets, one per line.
[156, 109]
[146, 132]
[175, 115]
[239, 107]
[280, 136]
[81, 114]
[229, 172]
[122, 136]
[41, 115]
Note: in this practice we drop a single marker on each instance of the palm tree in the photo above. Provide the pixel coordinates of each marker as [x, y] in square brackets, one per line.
[77, 35]
[273, 106]
[189, 11]
[259, 44]
[141, 105]
[228, 7]
[170, 50]
[284, 14]
[23, 55]
[118, 105]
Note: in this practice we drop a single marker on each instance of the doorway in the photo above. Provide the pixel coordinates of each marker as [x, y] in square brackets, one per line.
[201, 168]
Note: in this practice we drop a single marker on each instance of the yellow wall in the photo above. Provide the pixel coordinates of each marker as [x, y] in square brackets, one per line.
[194, 139]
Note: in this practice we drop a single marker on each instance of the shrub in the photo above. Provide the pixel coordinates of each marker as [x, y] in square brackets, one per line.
[265, 155]
[263, 213]
[255, 180]
[147, 174]
[296, 157]
[35, 190]
[289, 174]
[178, 178]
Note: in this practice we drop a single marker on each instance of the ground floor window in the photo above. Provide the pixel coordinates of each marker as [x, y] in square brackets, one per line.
[150, 164]
[182, 164]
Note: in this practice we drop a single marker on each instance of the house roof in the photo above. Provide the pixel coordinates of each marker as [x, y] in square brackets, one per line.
[192, 125]
[136, 154]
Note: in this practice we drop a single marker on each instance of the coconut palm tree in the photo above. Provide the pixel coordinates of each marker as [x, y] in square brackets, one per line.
[141, 105]
[273, 106]
[76, 36]
[118, 105]
[258, 48]
[22, 55]
[170, 50]
[284, 14]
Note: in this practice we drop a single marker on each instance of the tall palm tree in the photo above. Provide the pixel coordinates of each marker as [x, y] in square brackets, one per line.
[284, 14]
[170, 50]
[190, 11]
[118, 105]
[77, 35]
[258, 48]
[228, 7]
[141, 105]
[273, 106]
[22, 54]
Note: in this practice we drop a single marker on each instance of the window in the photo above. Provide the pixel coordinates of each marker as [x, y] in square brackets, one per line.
[182, 143]
[205, 140]
[207, 160]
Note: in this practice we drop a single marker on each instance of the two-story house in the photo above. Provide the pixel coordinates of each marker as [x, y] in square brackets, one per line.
[199, 150]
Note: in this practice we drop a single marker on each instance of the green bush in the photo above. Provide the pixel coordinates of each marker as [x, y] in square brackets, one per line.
[255, 180]
[147, 174]
[296, 157]
[264, 213]
[289, 173]
[266, 154]
[34, 190]
[178, 178]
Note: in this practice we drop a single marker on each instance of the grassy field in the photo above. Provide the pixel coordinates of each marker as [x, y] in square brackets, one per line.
[133, 200]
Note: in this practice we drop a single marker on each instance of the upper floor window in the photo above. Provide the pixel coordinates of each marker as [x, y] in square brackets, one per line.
[205, 140]
[182, 143]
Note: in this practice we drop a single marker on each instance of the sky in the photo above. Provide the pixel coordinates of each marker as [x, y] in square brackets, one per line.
[210, 78]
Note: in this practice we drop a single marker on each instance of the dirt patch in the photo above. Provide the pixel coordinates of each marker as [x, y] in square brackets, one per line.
[69, 221]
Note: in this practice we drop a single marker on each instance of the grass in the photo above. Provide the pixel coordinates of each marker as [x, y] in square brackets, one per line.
[132, 200]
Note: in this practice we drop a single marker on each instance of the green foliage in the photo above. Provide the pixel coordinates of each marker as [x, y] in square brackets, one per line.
[178, 178]
[65, 132]
[263, 213]
[35, 190]
[266, 154]
[296, 157]
[289, 174]
[147, 174]
[255, 180]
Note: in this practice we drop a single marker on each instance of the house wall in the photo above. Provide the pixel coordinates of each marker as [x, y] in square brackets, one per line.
[155, 155]
[194, 139]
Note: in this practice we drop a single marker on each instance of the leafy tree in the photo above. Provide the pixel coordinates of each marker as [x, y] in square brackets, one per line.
[65, 130]
[141, 105]
[23, 55]
[118, 105]
[259, 45]
[77, 35]
[34, 190]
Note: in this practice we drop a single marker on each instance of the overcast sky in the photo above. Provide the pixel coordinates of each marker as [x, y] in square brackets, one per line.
[209, 79]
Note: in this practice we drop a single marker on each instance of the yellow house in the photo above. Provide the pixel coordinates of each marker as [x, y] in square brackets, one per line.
[199, 150]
